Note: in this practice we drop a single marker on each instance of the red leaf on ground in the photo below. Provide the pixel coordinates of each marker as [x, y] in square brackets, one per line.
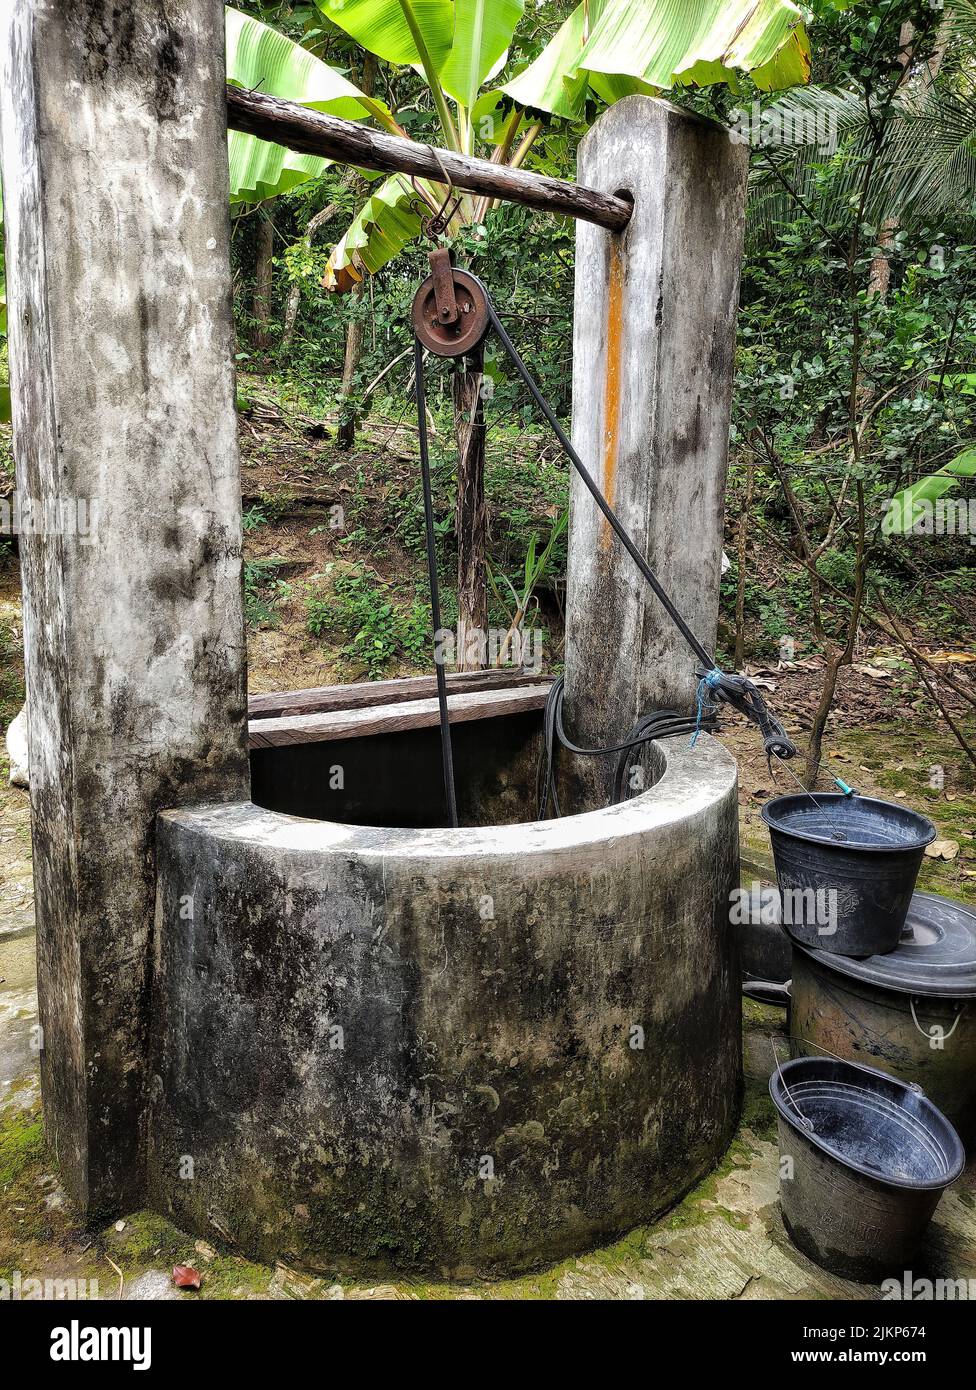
[185, 1277]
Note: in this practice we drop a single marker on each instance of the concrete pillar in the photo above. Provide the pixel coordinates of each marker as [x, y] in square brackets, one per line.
[652, 385]
[117, 229]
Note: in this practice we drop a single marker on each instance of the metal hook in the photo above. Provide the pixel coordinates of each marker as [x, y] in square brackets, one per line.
[434, 226]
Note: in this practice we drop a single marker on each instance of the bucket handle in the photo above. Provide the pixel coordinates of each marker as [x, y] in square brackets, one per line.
[805, 1120]
[930, 1034]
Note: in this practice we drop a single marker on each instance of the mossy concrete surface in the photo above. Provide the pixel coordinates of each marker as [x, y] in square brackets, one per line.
[724, 1241]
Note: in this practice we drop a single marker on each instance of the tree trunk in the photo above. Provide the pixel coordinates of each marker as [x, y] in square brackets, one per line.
[263, 269]
[471, 516]
[835, 661]
[346, 435]
[295, 293]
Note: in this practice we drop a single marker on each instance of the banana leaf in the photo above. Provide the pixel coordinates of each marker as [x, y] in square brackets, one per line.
[259, 58]
[483, 31]
[911, 505]
[382, 27]
[389, 219]
[663, 44]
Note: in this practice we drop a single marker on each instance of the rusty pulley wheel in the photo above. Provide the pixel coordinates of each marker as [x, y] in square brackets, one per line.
[460, 333]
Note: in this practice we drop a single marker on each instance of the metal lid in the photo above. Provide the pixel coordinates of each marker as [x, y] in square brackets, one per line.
[936, 955]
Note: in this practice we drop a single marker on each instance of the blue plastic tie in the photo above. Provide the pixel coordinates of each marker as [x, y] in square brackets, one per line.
[848, 791]
[711, 681]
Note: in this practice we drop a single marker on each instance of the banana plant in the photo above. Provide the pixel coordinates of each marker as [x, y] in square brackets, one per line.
[606, 49]
[261, 59]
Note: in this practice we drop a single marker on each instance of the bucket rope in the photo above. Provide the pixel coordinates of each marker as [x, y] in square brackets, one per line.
[736, 690]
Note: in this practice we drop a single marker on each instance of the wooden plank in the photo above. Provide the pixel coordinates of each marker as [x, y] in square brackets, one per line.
[312, 132]
[365, 694]
[326, 726]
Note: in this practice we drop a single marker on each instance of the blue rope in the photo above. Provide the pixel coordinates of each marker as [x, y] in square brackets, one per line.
[711, 681]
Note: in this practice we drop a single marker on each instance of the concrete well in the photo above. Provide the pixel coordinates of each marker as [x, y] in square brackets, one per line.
[445, 1049]
[283, 1022]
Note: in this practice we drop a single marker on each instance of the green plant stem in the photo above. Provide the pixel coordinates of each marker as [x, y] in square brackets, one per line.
[380, 114]
[451, 138]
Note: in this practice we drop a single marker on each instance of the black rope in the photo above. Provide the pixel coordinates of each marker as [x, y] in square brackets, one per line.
[595, 492]
[435, 599]
[736, 690]
[666, 723]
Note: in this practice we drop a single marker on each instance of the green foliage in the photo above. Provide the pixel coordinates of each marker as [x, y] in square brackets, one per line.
[377, 630]
[12, 692]
[263, 590]
[612, 48]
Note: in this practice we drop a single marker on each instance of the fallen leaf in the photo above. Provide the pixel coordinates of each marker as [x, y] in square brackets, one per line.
[942, 849]
[950, 658]
[120, 1225]
[185, 1277]
[875, 672]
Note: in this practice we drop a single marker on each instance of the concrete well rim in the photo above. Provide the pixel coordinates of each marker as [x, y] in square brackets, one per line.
[692, 781]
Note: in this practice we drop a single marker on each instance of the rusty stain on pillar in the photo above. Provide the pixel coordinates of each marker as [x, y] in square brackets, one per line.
[611, 392]
[114, 159]
[653, 351]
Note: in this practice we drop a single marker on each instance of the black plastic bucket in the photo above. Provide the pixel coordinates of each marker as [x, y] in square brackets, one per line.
[871, 1157]
[765, 949]
[861, 856]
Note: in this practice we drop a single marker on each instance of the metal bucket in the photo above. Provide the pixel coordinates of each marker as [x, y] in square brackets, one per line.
[862, 853]
[869, 1158]
[910, 1013]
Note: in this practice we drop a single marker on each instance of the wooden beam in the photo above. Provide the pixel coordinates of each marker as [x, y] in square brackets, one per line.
[312, 132]
[394, 718]
[362, 695]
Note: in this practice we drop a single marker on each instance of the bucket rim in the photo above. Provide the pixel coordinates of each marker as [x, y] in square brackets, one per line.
[924, 838]
[955, 1155]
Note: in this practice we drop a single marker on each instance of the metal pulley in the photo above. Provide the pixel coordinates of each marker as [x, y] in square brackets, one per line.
[450, 309]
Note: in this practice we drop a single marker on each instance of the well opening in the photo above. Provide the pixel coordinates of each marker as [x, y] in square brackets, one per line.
[394, 778]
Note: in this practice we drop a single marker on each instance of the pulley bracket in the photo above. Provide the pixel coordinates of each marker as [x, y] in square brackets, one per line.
[450, 309]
